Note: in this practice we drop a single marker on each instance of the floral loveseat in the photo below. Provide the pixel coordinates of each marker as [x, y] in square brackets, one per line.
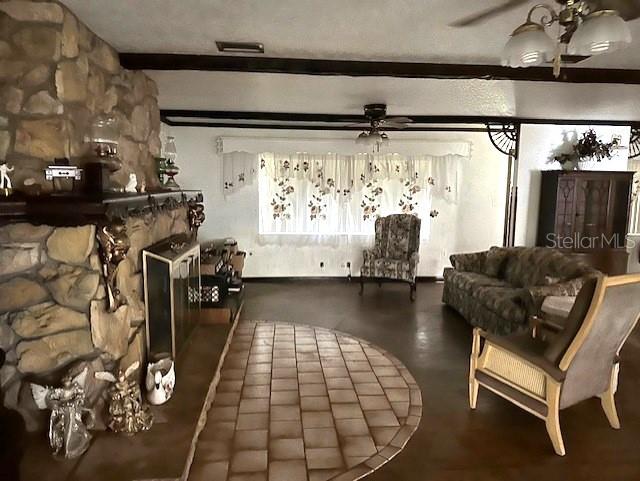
[499, 289]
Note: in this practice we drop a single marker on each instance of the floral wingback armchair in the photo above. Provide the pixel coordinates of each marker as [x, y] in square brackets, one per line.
[395, 253]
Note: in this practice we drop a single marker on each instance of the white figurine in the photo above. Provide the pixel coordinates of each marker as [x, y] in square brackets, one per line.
[5, 181]
[132, 184]
[160, 382]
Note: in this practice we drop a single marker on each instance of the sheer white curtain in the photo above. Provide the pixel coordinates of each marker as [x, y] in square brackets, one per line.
[634, 225]
[333, 195]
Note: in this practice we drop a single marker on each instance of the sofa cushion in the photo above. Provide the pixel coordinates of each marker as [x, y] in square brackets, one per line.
[504, 301]
[495, 262]
[469, 281]
[534, 266]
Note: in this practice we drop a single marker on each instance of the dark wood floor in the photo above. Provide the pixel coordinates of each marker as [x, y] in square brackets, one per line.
[496, 442]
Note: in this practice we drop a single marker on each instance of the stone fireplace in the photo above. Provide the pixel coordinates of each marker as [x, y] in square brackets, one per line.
[55, 310]
[68, 297]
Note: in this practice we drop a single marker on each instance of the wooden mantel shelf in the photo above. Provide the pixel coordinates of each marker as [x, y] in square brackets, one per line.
[72, 209]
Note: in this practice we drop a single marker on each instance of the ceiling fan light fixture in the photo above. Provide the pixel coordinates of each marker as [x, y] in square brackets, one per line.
[362, 139]
[601, 31]
[528, 46]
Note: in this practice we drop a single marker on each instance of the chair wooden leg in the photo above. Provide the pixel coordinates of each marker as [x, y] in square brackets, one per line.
[553, 417]
[473, 364]
[608, 399]
[412, 291]
[361, 285]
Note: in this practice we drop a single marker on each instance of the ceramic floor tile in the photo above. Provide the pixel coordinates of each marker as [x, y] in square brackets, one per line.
[324, 458]
[368, 388]
[372, 403]
[257, 405]
[253, 439]
[363, 377]
[320, 438]
[252, 421]
[381, 418]
[279, 398]
[296, 403]
[310, 378]
[314, 403]
[230, 386]
[392, 382]
[285, 413]
[313, 419]
[284, 373]
[343, 396]
[346, 411]
[284, 384]
[257, 379]
[249, 461]
[258, 368]
[352, 427]
[294, 470]
[358, 446]
[282, 449]
[285, 429]
[312, 390]
[248, 477]
[341, 383]
[284, 362]
[227, 399]
[256, 391]
[309, 366]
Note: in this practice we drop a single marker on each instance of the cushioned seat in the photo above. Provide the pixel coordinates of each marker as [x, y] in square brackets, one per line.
[395, 254]
[499, 289]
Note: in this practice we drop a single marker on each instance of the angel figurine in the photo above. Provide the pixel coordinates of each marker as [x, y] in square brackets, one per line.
[70, 421]
[127, 413]
[5, 181]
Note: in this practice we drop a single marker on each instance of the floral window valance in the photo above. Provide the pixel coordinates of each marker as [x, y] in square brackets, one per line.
[343, 194]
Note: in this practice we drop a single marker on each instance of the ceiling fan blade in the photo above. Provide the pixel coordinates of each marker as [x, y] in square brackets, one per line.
[401, 120]
[363, 125]
[488, 13]
[394, 125]
[628, 9]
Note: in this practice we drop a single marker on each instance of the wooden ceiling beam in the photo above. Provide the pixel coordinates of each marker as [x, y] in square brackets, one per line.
[359, 68]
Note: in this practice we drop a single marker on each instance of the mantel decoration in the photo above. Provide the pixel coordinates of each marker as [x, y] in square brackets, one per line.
[588, 148]
[103, 139]
[170, 167]
[5, 181]
[70, 421]
[586, 29]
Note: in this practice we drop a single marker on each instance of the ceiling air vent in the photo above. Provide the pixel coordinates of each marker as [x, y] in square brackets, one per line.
[240, 47]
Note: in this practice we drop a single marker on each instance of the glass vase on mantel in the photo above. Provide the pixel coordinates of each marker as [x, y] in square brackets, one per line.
[170, 167]
[103, 138]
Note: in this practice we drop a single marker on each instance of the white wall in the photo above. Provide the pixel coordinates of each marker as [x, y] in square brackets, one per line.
[538, 143]
[474, 224]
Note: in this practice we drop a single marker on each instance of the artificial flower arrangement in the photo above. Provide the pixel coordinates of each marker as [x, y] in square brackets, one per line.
[588, 148]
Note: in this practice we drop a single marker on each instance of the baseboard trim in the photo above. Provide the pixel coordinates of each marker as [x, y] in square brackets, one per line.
[345, 279]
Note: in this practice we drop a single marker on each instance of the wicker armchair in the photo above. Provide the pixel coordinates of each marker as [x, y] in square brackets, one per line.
[395, 253]
[579, 363]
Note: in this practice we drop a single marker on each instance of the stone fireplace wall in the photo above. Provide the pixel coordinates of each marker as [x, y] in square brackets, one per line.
[53, 308]
[55, 77]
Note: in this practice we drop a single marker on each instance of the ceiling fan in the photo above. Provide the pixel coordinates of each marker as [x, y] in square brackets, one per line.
[628, 10]
[377, 123]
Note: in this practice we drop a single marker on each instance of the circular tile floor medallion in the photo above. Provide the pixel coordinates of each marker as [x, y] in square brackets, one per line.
[300, 403]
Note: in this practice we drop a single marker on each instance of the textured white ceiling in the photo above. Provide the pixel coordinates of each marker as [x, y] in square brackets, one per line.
[409, 30]
[347, 95]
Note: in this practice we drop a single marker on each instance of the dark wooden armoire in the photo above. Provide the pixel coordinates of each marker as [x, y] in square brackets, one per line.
[586, 213]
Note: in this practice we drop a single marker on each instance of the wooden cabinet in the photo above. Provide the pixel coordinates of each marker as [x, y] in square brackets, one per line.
[586, 212]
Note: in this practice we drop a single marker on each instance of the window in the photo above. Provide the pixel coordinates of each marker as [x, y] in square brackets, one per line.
[337, 194]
